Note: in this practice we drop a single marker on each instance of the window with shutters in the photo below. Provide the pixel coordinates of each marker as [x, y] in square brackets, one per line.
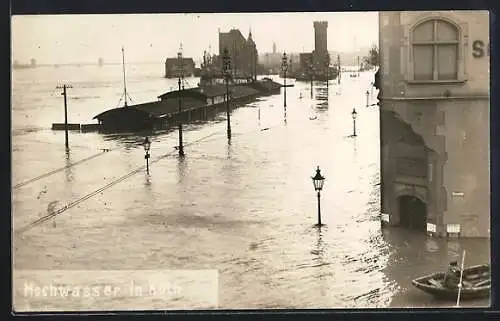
[435, 46]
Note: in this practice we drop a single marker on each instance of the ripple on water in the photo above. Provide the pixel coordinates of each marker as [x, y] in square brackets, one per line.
[247, 210]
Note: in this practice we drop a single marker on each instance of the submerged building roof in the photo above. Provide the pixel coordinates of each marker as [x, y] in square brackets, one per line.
[156, 109]
[192, 98]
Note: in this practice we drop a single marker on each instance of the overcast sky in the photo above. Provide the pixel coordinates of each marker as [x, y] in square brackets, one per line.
[152, 38]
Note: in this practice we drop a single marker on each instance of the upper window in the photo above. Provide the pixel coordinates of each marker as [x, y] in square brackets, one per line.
[435, 51]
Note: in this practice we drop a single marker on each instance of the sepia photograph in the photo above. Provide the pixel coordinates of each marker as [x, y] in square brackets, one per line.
[222, 161]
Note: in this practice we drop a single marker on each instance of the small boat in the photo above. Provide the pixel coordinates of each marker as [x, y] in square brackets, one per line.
[476, 284]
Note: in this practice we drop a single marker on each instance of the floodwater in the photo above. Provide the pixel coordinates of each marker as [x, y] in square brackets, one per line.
[246, 210]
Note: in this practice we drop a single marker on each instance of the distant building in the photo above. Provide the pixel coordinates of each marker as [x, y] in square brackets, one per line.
[243, 52]
[316, 64]
[174, 67]
[33, 63]
[435, 135]
[321, 57]
[306, 59]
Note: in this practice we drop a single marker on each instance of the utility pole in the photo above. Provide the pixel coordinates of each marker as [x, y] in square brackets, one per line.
[180, 82]
[226, 67]
[327, 76]
[64, 87]
[358, 66]
[340, 69]
[312, 78]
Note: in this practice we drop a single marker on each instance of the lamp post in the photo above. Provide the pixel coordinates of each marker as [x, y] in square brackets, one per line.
[180, 60]
[284, 68]
[327, 74]
[318, 182]
[367, 98]
[311, 73]
[354, 115]
[339, 70]
[147, 146]
[227, 74]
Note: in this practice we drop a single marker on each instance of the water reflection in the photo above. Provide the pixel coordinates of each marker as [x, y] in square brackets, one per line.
[69, 170]
[320, 262]
[147, 181]
[130, 140]
[182, 170]
[258, 114]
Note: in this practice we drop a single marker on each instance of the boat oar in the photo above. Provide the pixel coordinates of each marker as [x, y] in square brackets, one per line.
[461, 278]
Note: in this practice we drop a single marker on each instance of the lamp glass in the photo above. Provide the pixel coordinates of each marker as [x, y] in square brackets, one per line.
[354, 114]
[284, 62]
[318, 180]
[147, 144]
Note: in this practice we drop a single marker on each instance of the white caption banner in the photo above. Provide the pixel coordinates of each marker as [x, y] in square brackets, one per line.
[70, 290]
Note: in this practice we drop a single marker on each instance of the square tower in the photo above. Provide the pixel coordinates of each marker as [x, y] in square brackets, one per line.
[320, 36]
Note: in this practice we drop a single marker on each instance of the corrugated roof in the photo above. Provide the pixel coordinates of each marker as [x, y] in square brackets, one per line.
[242, 91]
[117, 111]
[165, 107]
[188, 93]
[155, 108]
[211, 91]
[266, 85]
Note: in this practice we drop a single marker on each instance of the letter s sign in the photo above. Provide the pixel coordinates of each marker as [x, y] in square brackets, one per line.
[478, 49]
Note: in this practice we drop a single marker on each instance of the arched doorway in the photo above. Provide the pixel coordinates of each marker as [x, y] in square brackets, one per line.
[412, 213]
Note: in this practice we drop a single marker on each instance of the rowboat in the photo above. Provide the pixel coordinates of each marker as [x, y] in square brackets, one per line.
[476, 284]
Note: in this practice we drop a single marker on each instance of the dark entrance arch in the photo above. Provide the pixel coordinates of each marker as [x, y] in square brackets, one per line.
[412, 213]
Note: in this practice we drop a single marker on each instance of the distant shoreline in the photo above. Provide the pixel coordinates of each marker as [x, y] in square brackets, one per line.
[82, 65]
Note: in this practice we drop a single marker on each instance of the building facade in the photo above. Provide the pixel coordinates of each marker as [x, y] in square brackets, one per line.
[243, 52]
[434, 109]
[180, 66]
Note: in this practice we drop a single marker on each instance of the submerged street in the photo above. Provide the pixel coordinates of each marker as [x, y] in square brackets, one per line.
[247, 209]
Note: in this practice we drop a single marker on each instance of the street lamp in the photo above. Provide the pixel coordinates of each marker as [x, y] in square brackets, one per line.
[180, 60]
[327, 66]
[354, 115]
[318, 182]
[311, 73]
[227, 74]
[367, 98]
[147, 146]
[327, 74]
[284, 68]
[339, 70]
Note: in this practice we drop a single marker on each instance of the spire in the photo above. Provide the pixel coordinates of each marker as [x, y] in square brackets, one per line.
[250, 39]
[179, 54]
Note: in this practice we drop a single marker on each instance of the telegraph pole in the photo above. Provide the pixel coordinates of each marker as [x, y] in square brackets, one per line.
[180, 60]
[64, 87]
[340, 70]
[226, 67]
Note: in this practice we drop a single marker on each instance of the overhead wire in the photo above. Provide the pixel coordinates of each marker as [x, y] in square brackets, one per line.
[72, 204]
[34, 179]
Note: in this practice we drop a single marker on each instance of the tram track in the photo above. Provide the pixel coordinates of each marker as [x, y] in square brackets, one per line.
[74, 203]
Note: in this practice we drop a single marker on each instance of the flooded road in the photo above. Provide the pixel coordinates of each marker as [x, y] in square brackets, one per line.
[246, 209]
